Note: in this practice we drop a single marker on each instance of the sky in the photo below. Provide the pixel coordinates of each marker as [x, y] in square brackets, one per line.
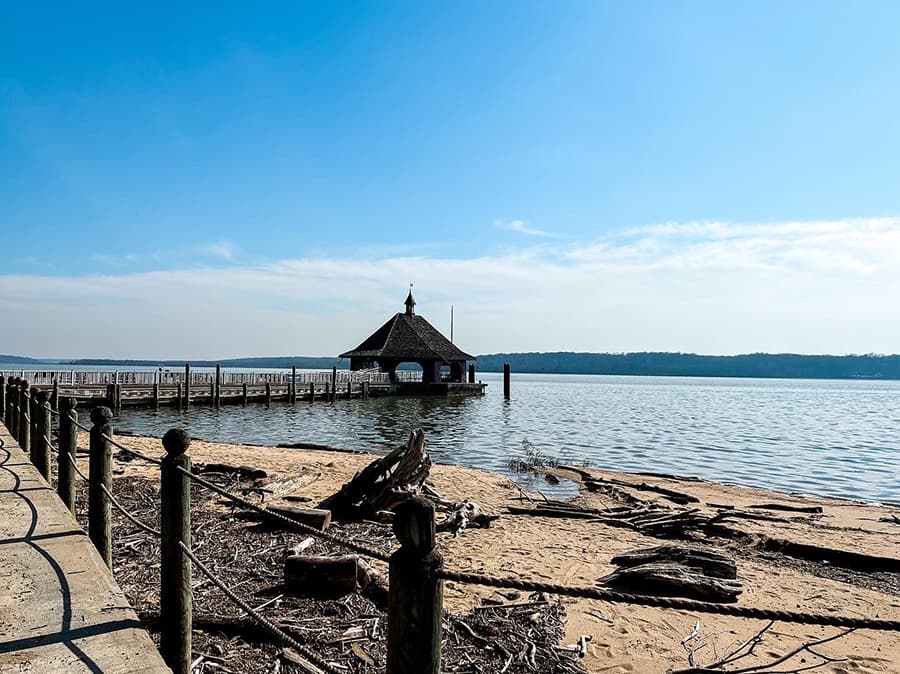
[219, 180]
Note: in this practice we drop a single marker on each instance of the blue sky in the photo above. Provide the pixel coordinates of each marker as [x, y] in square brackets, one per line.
[344, 150]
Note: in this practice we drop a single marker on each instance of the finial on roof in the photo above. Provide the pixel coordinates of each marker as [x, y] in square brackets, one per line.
[410, 303]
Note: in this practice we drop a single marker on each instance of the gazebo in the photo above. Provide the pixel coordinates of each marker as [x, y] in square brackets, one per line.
[408, 338]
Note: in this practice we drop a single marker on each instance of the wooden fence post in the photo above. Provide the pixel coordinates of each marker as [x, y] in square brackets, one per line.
[68, 445]
[24, 423]
[175, 605]
[187, 384]
[13, 408]
[33, 432]
[416, 594]
[41, 443]
[4, 391]
[99, 476]
[506, 381]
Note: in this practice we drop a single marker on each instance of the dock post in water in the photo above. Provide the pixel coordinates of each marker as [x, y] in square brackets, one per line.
[506, 381]
[178, 394]
[244, 394]
[54, 397]
[416, 594]
[68, 444]
[175, 572]
[156, 394]
[293, 395]
[268, 393]
[333, 382]
[217, 394]
[312, 391]
[41, 443]
[349, 389]
[187, 384]
[24, 423]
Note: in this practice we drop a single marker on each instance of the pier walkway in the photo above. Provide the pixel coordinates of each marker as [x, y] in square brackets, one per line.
[60, 609]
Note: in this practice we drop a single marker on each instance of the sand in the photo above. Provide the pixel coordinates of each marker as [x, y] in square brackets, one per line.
[628, 638]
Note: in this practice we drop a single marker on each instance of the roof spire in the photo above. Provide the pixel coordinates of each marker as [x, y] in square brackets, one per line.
[410, 303]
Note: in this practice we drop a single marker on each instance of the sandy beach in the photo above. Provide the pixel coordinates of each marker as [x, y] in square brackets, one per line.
[570, 551]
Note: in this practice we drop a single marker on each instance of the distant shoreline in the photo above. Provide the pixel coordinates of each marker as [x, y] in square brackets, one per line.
[651, 364]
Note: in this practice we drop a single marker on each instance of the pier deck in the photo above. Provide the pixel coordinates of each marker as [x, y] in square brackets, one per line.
[60, 611]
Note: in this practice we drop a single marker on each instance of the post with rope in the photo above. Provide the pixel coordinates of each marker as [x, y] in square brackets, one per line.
[12, 408]
[68, 444]
[416, 594]
[175, 573]
[24, 423]
[4, 390]
[34, 431]
[41, 443]
[100, 476]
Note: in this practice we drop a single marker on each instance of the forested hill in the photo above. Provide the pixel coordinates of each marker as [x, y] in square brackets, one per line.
[781, 365]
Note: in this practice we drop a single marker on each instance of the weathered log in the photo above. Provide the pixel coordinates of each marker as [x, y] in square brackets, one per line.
[316, 576]
[673, 579]
[710, 562]
[246, 472]
[311, 517]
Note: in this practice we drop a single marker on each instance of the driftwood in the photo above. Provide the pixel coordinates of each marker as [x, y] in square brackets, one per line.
[245, 472]
[466, 514]
[384, 483]
[677, 570]
[674, 579]
[312, 517]
[710, 562]
[330, 577]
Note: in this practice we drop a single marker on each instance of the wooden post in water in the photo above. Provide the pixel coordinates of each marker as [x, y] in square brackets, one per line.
[365, 390]
[268, 393]
[178, 394]
[156, 394]
[187, 384]
[333, 382]
[175, 606]
[24, 423]
[349, 389]
[42, 442]
[327, 392]
[312, 391]
[506, 381]
[217, 395]
[54, 397]
[244, 395]
[293, 394]
[416, 594]
[68, 444]
[118, 397]
[100, 476]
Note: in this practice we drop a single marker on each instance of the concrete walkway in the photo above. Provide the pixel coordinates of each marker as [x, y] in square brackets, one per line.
[60, 609]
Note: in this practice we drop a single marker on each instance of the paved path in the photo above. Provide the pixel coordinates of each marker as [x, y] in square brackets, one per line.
[60, 609]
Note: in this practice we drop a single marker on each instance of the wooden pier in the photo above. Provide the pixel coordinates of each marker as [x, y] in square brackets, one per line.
[118, 389]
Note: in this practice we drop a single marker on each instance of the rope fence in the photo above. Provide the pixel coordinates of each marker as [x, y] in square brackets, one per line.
[416, 572]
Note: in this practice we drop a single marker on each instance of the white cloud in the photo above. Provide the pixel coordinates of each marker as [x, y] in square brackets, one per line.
[523, 227]
[807, 287]
[224, 250]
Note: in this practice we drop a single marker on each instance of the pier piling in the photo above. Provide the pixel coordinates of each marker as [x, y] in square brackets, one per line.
[506, 381]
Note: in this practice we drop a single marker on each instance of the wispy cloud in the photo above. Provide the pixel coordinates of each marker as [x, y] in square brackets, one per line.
[819, 287]
[523, 227]
[224, 250]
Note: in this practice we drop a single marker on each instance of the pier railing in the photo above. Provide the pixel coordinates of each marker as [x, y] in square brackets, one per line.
[416, 568]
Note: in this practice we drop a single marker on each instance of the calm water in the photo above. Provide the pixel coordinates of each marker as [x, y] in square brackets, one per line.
[837, 438]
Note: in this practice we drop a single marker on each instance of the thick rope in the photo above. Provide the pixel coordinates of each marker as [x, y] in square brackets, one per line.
[673, 602]
[259, 619]
[355, 547]
[131, 518]
[119, 445]
[75, 466]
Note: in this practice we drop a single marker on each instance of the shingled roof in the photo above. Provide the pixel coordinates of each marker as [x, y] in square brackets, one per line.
[408, 337]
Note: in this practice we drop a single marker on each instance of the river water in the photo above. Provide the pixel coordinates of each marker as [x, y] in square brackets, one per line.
[833, 438]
